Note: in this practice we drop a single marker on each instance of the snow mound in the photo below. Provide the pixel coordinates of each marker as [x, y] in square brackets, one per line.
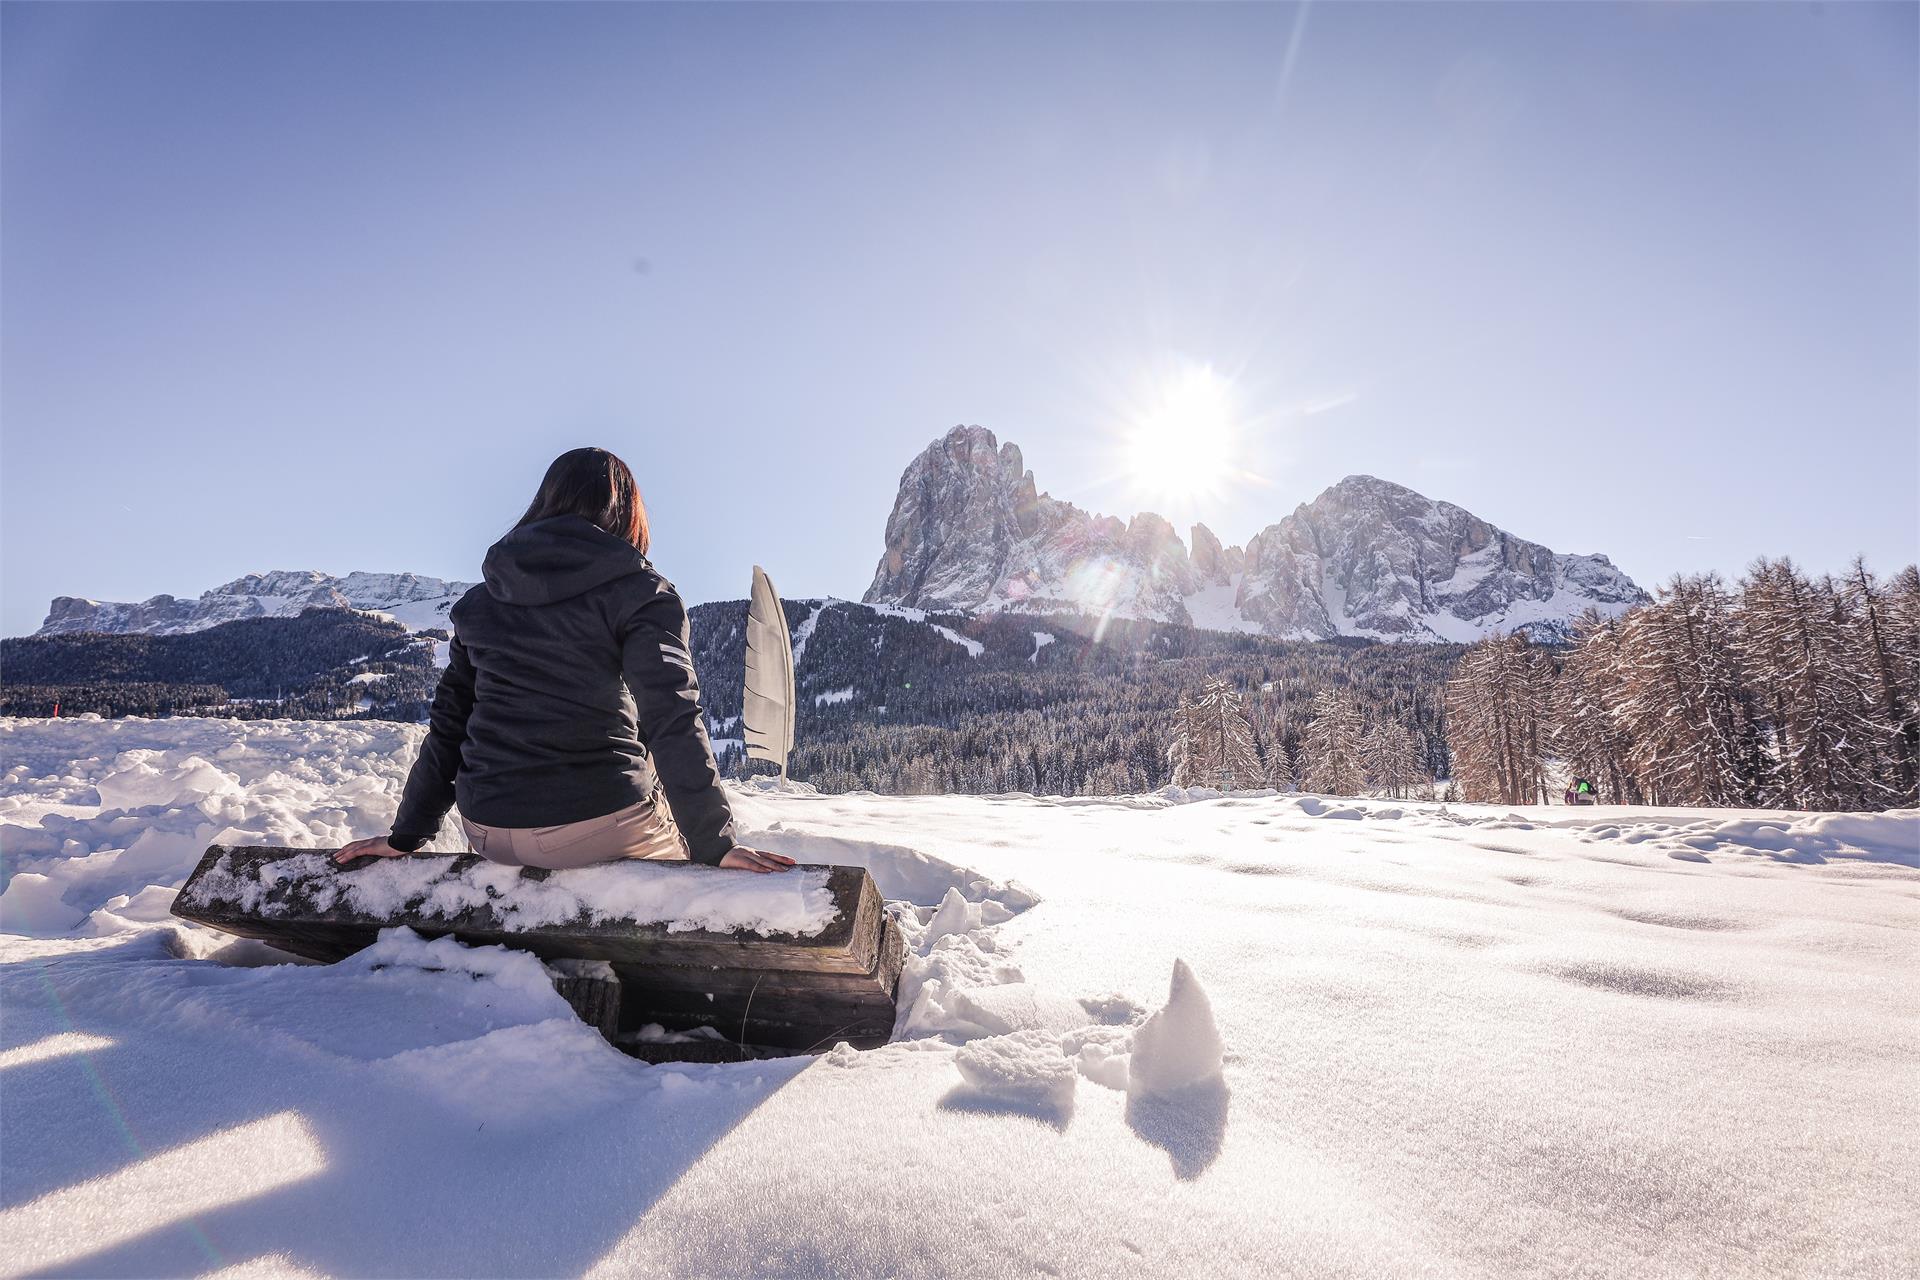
[901, 873]
[1101, 1053]
[955, 915]
[486, 1078]
[137, 781]
[1803, 838]
[1179, 1046]
[1042, 1044]
[35, 905]
[1018, 1006]
[944, 976]
[94, 810]
[1112, 1007]
[153, 905]
[1020, 1066]
[403, 948]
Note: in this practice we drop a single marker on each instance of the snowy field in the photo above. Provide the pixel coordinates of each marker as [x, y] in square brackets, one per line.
[1473, 1042]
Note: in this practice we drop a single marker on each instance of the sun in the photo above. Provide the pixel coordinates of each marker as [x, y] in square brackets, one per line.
[1181, 445]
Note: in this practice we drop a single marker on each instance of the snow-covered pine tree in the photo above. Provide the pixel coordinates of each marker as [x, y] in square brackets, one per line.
[1588, 732]
[1797, 692]
[1903, 629]
[1687, 710]
[1890, 653]
[1830, 743]
[1181, 765]
[1392, 764]
[1497, 715]
[1334, 757]
[1285, 754]
[1280, 765]
[1240, 768]
[1213, 744]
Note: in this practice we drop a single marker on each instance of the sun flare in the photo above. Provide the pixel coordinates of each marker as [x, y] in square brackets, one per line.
[1181, 447]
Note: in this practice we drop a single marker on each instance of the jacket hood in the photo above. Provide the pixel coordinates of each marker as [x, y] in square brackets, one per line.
[553, 560]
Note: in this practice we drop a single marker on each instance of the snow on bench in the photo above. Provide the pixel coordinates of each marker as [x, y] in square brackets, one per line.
[794, 961]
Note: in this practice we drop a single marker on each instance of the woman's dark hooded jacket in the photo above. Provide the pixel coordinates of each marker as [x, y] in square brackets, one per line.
[568, 694]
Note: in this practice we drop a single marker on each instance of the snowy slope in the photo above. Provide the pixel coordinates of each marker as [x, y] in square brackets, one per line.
[1458, 1043]
[416, 602]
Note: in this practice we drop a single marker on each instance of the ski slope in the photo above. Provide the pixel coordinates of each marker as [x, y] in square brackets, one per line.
[1168, 1035]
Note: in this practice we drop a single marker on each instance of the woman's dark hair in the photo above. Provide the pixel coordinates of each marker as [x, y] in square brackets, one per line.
[593, 484]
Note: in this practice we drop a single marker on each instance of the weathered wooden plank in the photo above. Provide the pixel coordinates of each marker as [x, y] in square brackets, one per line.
[592, 990]
[793, 1010]
[308, 916]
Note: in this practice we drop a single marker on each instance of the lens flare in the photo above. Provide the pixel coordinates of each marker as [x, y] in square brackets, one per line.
[1182, 446]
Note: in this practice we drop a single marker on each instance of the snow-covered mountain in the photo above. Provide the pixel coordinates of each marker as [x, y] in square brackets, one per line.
[1373, 558]
[969, 531]
[413, 601]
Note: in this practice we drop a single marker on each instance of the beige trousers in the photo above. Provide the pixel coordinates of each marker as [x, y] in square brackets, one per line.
[644, 830]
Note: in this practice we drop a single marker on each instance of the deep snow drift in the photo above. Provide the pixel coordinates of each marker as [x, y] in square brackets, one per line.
[1175, 1034]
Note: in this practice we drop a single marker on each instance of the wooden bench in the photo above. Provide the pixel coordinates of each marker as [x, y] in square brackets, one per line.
[763, 993]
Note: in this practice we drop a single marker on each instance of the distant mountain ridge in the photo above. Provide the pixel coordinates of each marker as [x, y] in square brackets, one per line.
[970, 531]
[417, 603]
[322, 664]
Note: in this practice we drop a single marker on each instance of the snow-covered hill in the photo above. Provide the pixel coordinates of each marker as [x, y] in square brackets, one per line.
[1466, 1042]
[969, 531]
[415, 602]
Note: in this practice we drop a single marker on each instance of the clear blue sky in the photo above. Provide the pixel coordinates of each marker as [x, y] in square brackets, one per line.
[326, 286]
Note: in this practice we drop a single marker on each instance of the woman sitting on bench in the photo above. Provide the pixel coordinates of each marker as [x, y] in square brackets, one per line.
[569, 711]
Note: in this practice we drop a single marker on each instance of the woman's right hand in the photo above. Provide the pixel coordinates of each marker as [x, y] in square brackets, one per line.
[376, 846]
[741, 858]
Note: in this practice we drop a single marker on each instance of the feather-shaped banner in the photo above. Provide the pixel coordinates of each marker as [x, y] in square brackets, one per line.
[766, 707]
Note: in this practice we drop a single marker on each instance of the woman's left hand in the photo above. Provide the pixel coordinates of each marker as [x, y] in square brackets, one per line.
[376, 846]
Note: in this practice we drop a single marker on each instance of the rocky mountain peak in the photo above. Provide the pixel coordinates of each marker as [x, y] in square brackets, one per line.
[412, 599]
[1360, 483]
[1212, 562]
[1367, 557]
[970, 530]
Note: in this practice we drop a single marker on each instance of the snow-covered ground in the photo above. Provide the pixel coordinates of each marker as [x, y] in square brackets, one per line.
[1155, 1035]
